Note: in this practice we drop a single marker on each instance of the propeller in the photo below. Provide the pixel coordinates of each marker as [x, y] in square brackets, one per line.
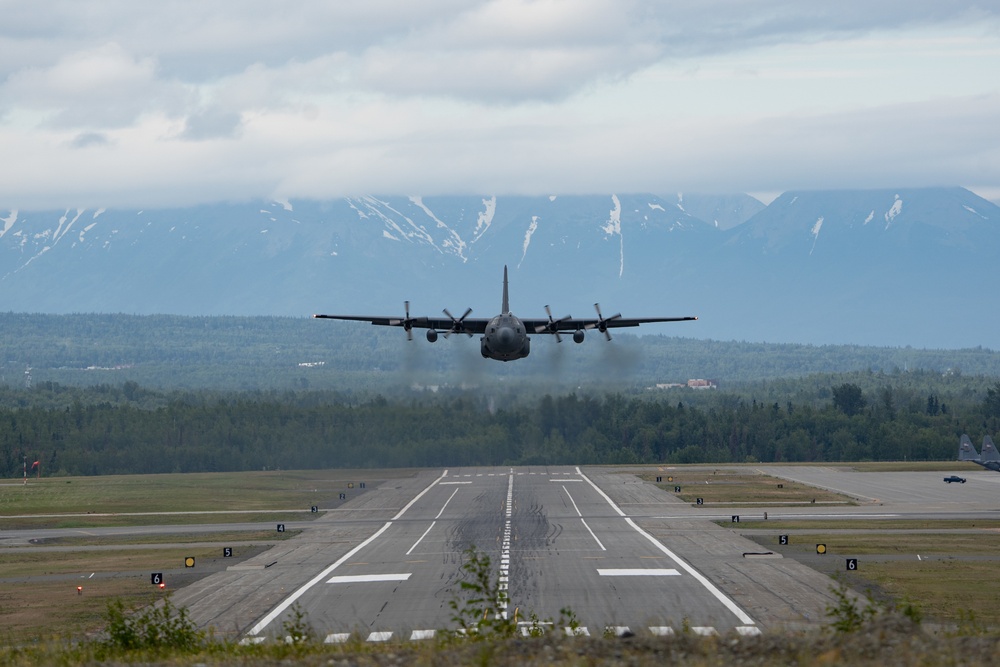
[458, 325]
[406, 322]
[553, 325]
[602, 324]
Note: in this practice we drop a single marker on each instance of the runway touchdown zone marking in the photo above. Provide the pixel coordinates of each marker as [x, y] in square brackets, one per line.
[365, 578]
[636, 572]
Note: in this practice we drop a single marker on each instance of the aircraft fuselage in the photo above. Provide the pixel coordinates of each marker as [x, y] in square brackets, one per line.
[505, 339]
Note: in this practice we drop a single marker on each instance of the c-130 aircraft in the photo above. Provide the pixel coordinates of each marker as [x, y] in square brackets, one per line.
[505, 336]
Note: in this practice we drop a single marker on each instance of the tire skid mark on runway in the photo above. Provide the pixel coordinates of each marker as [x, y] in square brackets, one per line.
[709, 586]
[290, 600]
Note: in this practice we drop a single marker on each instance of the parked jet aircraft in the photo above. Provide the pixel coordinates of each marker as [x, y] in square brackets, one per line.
[505, 336]
[990, 458]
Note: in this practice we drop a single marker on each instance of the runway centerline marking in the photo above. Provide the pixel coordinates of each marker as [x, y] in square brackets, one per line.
[702, 579]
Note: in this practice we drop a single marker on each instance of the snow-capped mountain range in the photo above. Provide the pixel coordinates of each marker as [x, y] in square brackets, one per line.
[884, 267]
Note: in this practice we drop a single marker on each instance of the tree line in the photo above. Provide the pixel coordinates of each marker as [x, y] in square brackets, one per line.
[130, 429]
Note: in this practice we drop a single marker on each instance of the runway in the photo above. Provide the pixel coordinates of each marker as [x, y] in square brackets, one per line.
[623, 554]
[558, 538]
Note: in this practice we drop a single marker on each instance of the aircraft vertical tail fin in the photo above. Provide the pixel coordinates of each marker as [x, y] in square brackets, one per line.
[966, 450]
[990, 450]
[506, 305]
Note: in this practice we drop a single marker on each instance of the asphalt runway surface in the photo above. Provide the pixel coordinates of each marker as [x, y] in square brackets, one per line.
[624, 555]
[589, 541]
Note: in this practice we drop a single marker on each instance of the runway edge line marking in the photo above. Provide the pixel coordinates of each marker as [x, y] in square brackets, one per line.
[290, 600]
[719, 595]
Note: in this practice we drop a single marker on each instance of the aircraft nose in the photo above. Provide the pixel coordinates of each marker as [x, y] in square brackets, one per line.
[505, 336]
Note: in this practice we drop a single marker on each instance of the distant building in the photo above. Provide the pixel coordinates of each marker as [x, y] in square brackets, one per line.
[703, 384]
[691, 384]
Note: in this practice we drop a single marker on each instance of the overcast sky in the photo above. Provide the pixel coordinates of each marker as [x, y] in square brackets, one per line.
[146, 104]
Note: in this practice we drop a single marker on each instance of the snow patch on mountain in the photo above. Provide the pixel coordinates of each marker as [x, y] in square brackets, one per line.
[453, 242]
[974, 212]
[815, 232]
[414, 231]
[485, 218]
[8, 222]
[527, 238]
[614, 226]
[62, 231]
[890, 215]
[83, 232]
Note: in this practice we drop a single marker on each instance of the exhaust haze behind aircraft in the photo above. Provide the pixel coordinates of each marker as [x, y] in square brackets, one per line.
[505, 336]
[990, 458]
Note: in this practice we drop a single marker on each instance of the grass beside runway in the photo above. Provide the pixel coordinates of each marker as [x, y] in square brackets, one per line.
[950, 575]
[186, 492]
[38, 595]
[740, 486]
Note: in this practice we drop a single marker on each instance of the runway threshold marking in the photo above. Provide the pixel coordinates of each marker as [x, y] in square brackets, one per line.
[709, 586]
[290, 600]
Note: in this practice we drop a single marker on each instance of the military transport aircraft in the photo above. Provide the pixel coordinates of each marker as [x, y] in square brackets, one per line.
[505, 337]
[990, 458]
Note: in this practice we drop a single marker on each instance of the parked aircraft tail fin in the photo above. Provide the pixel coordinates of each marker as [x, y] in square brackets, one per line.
[966, 450]
[990, 450]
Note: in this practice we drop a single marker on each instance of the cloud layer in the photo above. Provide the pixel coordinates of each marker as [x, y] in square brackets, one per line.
[147, 104]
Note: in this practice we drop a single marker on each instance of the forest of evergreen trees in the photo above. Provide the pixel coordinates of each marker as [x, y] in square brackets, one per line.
[128, 429]
[109, 394]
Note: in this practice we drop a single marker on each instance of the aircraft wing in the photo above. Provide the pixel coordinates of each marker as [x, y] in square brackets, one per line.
[569, 324]
[574, 323]
[464, 325]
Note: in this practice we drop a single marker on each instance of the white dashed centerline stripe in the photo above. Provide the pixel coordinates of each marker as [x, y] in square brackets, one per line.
[503, 585]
